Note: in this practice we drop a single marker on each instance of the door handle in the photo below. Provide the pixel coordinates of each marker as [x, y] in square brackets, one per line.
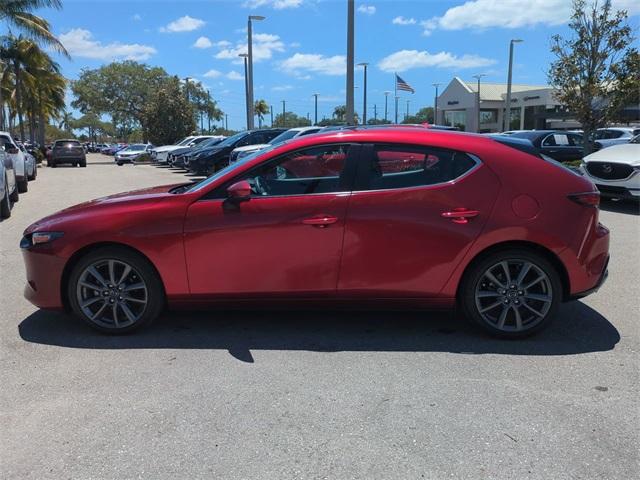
[320, 221]
[460, 215]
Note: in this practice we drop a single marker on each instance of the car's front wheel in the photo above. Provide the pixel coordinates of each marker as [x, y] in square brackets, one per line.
[115, 290]
[512, 293]
[23, 185]
[5, 203]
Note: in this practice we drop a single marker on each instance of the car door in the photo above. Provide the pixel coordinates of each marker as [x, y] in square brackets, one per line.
[414, 213]
[285, 239]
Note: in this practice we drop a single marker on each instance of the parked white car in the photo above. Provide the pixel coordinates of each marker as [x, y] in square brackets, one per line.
[615, 170]
[606, 137]
[160, 154]
[241, 152]
[8, 184]
[24, 168]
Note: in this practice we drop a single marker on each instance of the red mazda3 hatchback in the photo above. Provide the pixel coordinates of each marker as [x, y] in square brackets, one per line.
[403, 216]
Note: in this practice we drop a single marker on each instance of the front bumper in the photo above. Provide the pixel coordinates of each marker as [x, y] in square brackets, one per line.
[44, 277]
[617, 191]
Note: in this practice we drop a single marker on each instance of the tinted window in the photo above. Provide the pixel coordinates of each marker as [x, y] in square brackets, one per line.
[394, 166]
[67, 143]
[575, 140]
[307, 171]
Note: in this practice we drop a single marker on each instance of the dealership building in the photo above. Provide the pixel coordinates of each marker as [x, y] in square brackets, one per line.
[532, 107]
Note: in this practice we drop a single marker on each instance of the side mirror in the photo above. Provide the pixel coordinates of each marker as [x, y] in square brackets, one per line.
[240, 191]
[10, 148]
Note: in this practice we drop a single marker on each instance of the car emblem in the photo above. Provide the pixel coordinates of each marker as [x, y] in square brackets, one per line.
[606, 168]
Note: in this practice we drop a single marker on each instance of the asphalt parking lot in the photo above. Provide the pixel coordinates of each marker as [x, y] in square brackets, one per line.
[318, 394]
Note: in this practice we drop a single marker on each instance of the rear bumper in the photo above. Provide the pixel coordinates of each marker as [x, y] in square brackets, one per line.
[603, 278]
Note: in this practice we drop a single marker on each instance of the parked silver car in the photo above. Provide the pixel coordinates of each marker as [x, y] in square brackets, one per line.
[8, 184]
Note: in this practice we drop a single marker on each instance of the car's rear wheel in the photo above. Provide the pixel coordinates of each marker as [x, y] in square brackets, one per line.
[115, 290]
[23, 185]
[5, 203]
[513, 293]
[52, 163]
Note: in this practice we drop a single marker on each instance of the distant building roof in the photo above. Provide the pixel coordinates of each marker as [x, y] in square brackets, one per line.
[496, 91]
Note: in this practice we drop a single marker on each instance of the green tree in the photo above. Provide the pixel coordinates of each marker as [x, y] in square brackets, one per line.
[261, 107]
[424, 115]
[18, 14]
[595, 72]
[167, 114]
[121, 90]
[290, 120]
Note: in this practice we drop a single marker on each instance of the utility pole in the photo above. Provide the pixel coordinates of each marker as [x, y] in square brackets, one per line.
[375, 112]
[209, 111]
[407, 114]
[226, 121]
[506, 118]
[435, 105]
[386, 97]
[315, 117]
[246, 88]
[479, 76]
[364, 65]
[250, 66]
[350, 49]
[271, 108]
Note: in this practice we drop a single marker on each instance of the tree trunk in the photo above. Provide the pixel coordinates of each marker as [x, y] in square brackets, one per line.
[16, 68]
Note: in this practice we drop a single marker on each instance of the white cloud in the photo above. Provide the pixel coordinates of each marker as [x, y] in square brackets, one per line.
[482, 14]
[137, 17]
[403, 21]
[80, 43]
[404, 60]
[222, 44]
[282, 88]
[276, 4]
[233, 75]
[314, 63]
[183, 24]
[367, 9]
[264, 45]
[203, 42]
[212, 74]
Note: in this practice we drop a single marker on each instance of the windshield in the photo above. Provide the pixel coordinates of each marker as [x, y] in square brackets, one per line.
[232, 139]
[284, 136]
[136, 148]
[635, 139]
[209, 143]
[184, 140]
[207, 181]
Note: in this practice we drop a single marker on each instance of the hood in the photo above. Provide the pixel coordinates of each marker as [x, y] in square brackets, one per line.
[167, 148]
[146, 194]
[122, 153]
[250, 148]
[181, 150]
[210, 151]
[628, 153]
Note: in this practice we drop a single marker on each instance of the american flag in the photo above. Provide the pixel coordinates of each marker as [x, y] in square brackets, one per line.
[402, 85]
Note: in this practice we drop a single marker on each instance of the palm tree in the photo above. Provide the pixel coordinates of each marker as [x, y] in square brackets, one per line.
[66, 122]
[261, 108]
[17, 13]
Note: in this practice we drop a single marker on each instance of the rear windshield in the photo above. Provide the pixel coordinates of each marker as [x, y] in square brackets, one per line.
[68, 143]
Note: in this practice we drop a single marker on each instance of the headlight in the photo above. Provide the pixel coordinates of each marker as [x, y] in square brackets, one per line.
[39, 238]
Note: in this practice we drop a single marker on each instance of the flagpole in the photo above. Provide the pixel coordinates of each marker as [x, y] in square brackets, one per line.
[395, 92]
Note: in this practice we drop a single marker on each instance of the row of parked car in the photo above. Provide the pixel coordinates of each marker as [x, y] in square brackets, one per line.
[17, 168]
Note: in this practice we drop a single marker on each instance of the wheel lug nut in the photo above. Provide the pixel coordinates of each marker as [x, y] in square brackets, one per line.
[517, 302]
[520, 292]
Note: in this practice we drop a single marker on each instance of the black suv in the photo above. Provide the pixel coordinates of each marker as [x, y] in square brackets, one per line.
[212, 159]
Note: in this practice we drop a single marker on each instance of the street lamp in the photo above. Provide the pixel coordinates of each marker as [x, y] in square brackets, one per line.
[506, 119]
[364, 65]
[386, 97]
[315, 95]
[479, 76]
[350, 49]
[246, 89]
[250, 68]
[435, 105]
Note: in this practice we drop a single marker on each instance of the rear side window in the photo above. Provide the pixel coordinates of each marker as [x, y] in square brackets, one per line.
[398, 166]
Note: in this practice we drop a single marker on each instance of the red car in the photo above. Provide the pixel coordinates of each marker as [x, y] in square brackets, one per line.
[393, 217]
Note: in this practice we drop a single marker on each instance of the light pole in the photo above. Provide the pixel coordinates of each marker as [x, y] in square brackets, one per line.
[350, 48]
[186, 87]
[506, 119]
[315, 95]
[284, 113]
[479, 76]
[246, 89]
[364, 65]
[250, 68]
[407, 114]
[386, 97]
[209, 111]
[435, 105]
[396, 115]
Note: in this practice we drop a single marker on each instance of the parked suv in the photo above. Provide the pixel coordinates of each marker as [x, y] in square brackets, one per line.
[213, 159]
[23, 168]
[68, 151]
[8, 184]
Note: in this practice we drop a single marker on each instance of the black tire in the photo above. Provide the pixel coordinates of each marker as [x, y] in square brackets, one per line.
[23, 185]
[83, 163]
[119, 164]
[5, 203]
[520, 299]
[51, 163]
[143, 272]
[15, 196]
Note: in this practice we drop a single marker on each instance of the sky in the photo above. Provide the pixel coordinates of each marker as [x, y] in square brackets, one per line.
[300, 48]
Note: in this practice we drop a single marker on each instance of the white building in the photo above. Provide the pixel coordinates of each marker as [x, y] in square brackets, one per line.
[532, 107]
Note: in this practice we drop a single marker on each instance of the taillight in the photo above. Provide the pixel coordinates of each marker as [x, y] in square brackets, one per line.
[589, 199]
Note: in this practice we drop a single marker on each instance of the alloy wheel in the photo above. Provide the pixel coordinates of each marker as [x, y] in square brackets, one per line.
[112, 294]
[513, 295]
